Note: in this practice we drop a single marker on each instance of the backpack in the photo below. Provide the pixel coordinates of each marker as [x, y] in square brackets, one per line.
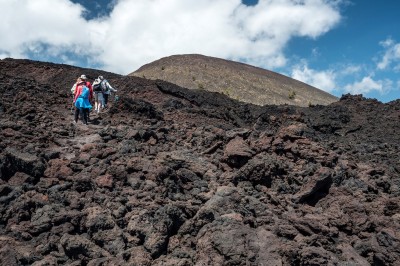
[97, 87]
[100, 87]
[84, 92]
[103, 85]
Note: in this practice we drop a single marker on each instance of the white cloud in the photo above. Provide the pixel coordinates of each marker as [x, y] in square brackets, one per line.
[324, 80]
[368, 84]
[26, 25]
[390, 56]
[139, 31]
[333, 80]
[387, 43]
[315, 52]
[350, 70]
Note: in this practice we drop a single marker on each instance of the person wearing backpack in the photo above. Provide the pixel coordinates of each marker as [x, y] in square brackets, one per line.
[80, 79]
[106, 90]
[98, 94]
[83, 94]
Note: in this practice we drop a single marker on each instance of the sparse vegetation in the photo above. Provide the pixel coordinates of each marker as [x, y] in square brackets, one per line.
[200, 86]
[193, 78]
[292, 94]
[163, 67]
[227, 92]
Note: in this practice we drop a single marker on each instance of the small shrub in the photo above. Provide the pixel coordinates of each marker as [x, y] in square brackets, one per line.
[200, 86]
[292, 95]
[163, 67]
[227, 92]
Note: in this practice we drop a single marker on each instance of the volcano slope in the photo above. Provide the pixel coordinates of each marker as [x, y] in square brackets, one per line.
[237, 80]
[170, 176]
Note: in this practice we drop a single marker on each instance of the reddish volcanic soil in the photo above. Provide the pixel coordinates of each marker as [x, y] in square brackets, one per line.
[170, 176]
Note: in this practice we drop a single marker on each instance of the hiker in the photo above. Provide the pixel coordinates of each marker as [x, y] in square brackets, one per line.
[87, 83]
[98, 94]
[106, 90]
[82, 95]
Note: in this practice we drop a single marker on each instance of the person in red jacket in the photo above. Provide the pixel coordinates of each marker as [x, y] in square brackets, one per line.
[83, 95]
[87, 83]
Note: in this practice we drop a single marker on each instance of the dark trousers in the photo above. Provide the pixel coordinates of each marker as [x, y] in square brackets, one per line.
[105, 96]
[83, 113]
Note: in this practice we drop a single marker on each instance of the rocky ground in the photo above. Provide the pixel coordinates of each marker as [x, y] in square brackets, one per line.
[169, 176]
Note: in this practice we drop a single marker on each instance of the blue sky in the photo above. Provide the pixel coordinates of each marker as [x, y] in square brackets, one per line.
[340, 46]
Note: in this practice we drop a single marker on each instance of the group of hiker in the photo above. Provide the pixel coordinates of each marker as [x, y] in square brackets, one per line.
[85, 93]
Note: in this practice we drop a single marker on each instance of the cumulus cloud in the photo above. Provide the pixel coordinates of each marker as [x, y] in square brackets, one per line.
[391, 55]
[140, 31]
[29, 25]
[368, 84]
[324, 80]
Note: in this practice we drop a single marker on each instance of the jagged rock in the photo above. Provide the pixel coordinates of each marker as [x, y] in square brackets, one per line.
[315, 188]
[227, 240]
[237, 152]
[111, 240]
[98, 219]
[105, 181]
[22, 162]
[46, 261]
[20, 178]
[317, 256]
[79, 247]
[137, 256]
[58, 168]
[154, 229]
[13, 252]
[262, 169]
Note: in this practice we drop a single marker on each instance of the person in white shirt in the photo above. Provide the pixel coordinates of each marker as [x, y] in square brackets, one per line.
[107, 89]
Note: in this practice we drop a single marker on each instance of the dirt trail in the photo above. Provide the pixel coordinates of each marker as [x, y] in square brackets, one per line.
[82, 134]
